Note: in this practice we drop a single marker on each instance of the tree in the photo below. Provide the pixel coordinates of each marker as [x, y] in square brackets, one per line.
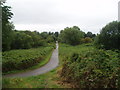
[71, 35]
[22, 41]
[89, 34]
[109, 37]
[50, 39]
[56, 34]
[7, 27]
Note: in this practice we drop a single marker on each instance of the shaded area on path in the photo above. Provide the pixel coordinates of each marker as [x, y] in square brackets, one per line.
[53, 63]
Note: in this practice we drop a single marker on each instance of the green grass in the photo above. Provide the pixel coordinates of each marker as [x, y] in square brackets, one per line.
[67, 50]
[47, 80]
[40, 81]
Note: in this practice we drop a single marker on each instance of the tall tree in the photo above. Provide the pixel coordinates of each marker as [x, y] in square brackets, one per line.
[7, 27]
[109, 37]
[71, 35]
[89, 34]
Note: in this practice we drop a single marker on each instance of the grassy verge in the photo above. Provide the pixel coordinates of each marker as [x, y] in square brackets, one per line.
[47, 80]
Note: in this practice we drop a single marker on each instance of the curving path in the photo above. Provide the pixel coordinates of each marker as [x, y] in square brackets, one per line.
[53, 63]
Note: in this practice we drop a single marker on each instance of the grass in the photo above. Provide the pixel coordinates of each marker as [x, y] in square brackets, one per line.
[67, 50]
[47, 80]
[41, 81]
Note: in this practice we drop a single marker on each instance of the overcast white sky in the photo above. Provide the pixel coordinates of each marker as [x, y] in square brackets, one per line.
[55, 15]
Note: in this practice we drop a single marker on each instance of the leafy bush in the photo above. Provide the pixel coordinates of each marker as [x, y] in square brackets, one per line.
[22, 59]
[86, 40]
[90, 68]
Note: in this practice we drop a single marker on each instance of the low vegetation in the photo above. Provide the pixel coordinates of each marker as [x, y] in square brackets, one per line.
[47, 80]
[86, 60]
[84, 66]
[23, 59]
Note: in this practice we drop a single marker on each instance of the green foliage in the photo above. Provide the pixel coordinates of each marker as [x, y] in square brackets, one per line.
[56, 34]
[28, 39]
[22, 41]
[71, 35]
[89, 34]
[22, 59]
[109, 37]
[87, 67]
[47, 80]
[7, 27]
[13, 39]
[86, 40]
[50, 39]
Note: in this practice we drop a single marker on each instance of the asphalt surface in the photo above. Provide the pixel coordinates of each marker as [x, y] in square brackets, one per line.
[53, 63]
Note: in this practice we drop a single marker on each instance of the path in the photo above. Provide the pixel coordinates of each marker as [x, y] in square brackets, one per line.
[53, 63]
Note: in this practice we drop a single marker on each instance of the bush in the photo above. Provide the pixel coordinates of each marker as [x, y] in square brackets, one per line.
[91, 68]
[86, 40]
[23, 59]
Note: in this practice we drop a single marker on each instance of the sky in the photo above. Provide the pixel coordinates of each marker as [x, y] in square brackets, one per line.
[55, 15]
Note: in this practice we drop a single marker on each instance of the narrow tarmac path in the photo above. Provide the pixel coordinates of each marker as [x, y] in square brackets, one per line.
[53, 63]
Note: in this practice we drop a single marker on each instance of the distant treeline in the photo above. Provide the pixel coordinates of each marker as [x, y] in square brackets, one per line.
[109, 37]
[27, 39]
[13, 39]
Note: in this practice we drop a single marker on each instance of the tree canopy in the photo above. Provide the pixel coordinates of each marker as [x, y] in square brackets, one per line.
[7, 27]
[71, 35]
[109, 37]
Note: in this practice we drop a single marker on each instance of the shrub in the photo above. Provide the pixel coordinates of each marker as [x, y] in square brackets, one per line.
[23, 59]
[91, 69]
[86, 40]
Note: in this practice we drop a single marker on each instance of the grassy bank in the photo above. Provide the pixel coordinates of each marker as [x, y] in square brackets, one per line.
[47, 80]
